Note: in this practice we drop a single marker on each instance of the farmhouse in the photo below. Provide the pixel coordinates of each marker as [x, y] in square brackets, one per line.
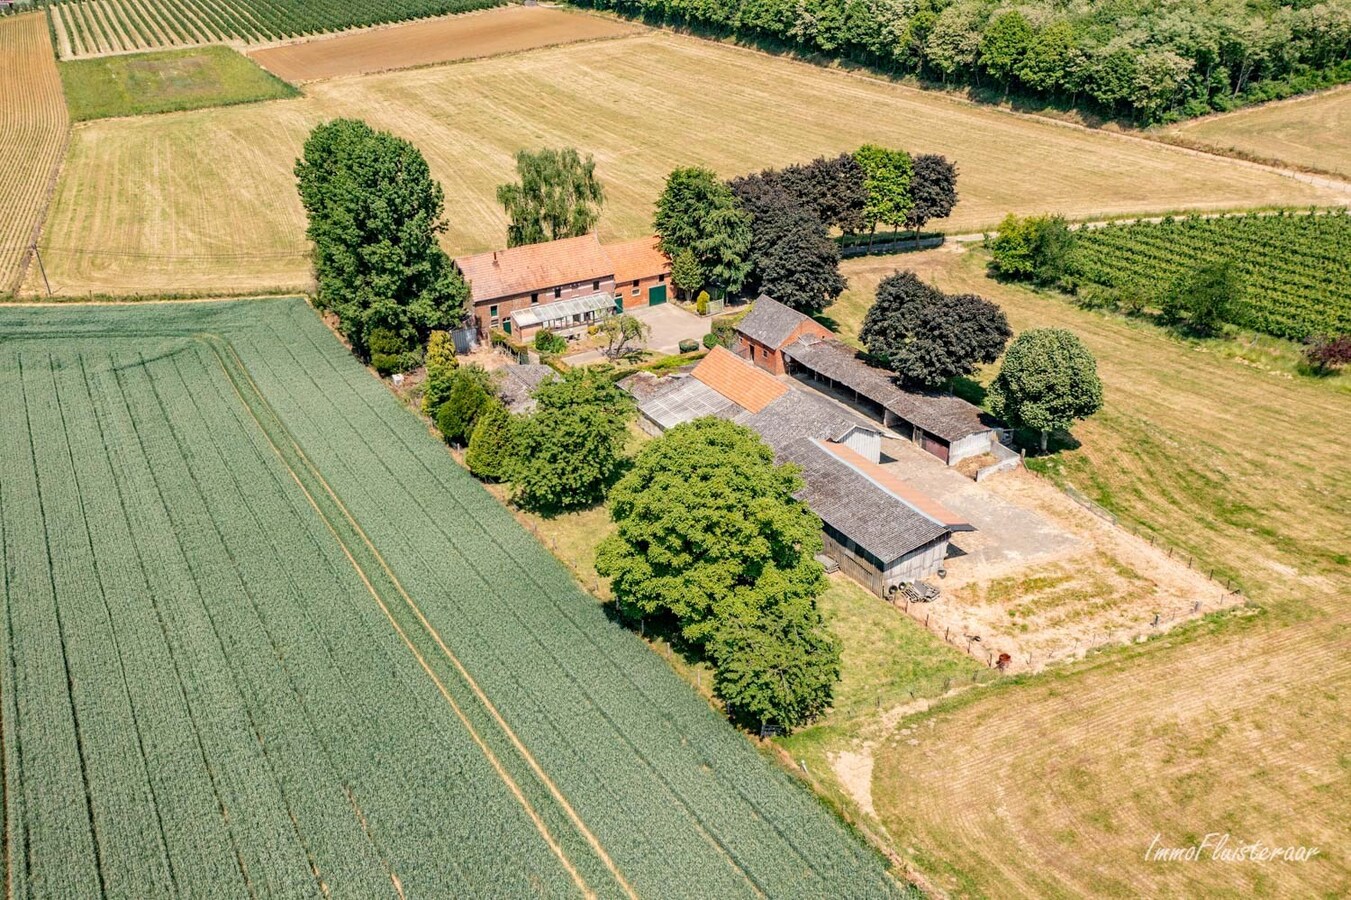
[880, 530]
[563, 285]
[782, 340]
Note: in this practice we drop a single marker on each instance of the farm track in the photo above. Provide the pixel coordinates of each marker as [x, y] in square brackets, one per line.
[34, 121]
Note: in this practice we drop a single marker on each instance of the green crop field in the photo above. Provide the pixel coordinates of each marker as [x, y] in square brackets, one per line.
[134, 84]
[261, 636]
[1296, 267]
[96, 27]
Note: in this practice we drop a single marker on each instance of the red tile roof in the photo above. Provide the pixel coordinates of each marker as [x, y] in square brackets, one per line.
[737, 380]
[534, 267]
[902, 490]
[635, 260]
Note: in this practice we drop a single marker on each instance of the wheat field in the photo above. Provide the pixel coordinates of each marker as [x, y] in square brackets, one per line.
[33, 122]
[205, 201]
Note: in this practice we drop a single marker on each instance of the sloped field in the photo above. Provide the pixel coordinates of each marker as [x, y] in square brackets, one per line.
[33, 124]
[261, 636]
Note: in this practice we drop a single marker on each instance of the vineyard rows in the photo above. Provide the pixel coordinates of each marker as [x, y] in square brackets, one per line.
[251, 668]
[93, 27]
[33, 121]
[1296, 266]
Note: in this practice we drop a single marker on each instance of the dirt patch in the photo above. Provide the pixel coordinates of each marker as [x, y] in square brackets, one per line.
[854, 769]
[503, 30]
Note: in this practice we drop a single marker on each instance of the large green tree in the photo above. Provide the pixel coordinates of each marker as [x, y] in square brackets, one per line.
[698, 212]
[567, 453]
[792, 257]
[886, 181]
[1047, 381]
[557, 196]
[928, 337]
[1201, 301]
[1037, 248]
[491, 444]
[710, 538]
[469, 390]
[374, 216]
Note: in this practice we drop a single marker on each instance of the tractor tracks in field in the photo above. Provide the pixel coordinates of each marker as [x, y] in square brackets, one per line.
[380, 581]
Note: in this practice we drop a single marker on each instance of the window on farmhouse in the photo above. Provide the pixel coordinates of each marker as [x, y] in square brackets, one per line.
[558, 292]
[595, 285]
[634, 292]
[534, 298]
[492, 311]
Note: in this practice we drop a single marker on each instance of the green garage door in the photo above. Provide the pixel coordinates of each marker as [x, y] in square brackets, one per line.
[656, 295]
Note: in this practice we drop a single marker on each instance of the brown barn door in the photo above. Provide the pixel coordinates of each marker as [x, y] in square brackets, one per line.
[936, 447]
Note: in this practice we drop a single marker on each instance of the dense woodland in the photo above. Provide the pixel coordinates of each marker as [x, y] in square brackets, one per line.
[1146, 60]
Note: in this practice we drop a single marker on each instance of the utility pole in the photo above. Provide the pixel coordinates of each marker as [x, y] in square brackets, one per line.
[42, 269]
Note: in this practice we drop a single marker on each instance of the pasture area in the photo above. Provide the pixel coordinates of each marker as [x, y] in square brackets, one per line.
[166, 81]
[262, 636]
[98, 27]
[507, 29]
[205, 200]
[1310, 131]
[1056, 786]
[34, 123]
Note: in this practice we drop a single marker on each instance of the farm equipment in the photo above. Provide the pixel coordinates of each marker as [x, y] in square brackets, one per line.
[913, 592]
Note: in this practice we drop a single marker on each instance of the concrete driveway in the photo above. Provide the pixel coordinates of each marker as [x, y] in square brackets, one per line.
[1007, 534]
[670, 325]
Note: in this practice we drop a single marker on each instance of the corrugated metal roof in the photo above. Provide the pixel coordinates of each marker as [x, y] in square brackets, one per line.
[770, 322]
[950, 418]
[516, 383]
[922, 503]
[738, 380]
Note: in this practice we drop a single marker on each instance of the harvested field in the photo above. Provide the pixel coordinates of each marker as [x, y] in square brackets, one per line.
[1312, 131]
[231, 666]
[1057, 786]
[205, 201]
[33, 121]
[507, 29]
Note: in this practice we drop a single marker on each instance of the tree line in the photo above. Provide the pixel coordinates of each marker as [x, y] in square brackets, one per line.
[770, 232]
[1147, 60]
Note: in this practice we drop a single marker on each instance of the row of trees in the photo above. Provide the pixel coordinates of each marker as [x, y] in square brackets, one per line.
[771, 231]
[1048, 378]
[1150, 60]
[1040, 249]
[710, 543]
[563, 456]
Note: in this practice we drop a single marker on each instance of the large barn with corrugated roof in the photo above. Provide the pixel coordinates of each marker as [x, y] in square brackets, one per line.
[880, 530]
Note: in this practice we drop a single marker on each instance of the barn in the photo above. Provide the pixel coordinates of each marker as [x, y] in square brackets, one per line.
[881, 531]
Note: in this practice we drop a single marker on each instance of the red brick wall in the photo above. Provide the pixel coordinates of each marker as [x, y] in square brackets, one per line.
[507, 305]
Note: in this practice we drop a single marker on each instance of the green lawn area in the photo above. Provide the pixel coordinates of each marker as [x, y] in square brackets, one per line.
[168, 81]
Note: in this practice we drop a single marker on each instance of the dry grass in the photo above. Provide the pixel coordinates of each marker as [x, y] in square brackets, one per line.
[1312, 131]
[33, 122]
[506, 29]
[205, 201]
[1057, 786]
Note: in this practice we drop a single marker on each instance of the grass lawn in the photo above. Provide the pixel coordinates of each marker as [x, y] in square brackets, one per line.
[168, 81]
[1055, 786]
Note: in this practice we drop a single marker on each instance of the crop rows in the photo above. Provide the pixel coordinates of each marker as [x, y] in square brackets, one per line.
[94, 27]
[33, 121]
[1296, 268]
[264, 669]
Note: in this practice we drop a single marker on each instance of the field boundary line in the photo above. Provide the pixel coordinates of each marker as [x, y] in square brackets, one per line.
[473, 685]
[487, 751]
[695, 818]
